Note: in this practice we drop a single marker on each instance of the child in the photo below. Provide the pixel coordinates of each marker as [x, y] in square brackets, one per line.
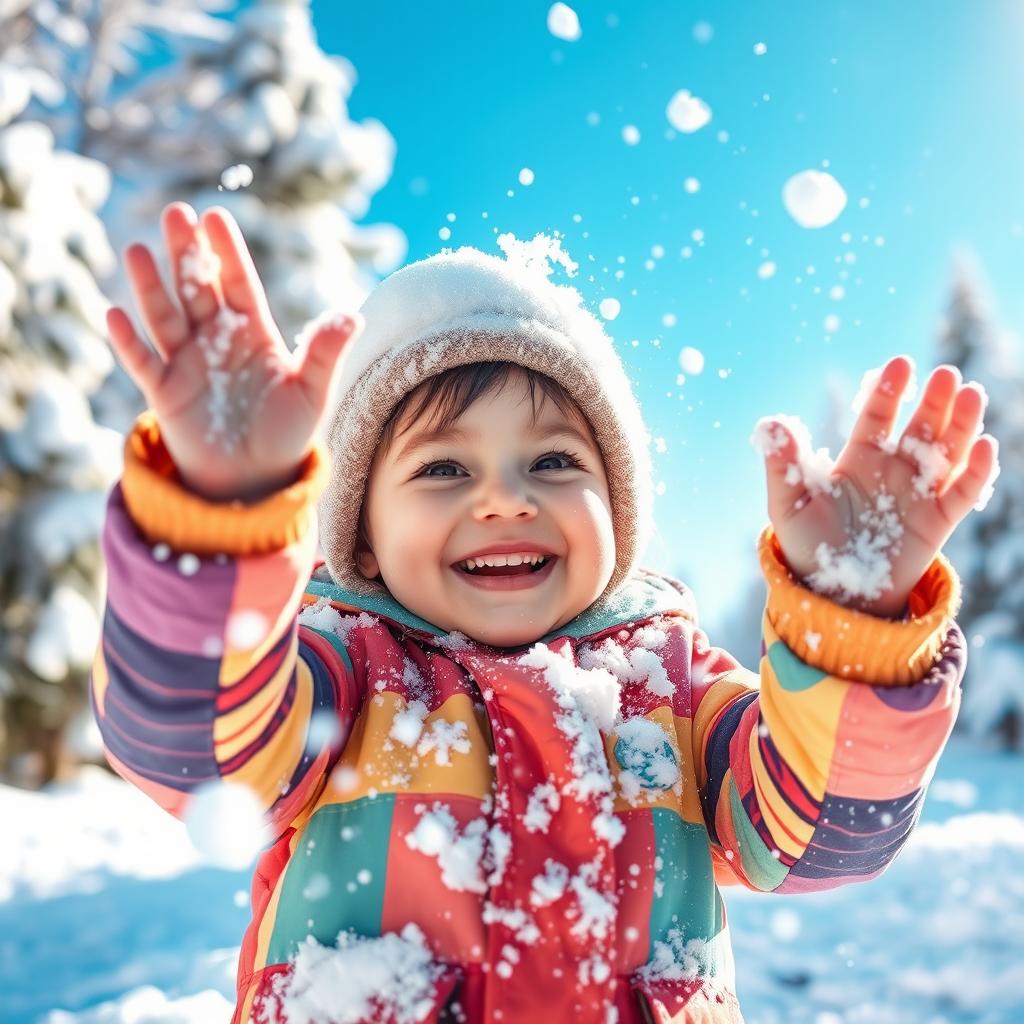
[535, 775]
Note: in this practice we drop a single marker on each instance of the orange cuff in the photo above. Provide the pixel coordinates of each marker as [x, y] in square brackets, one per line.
[165, 510]
[853, 645]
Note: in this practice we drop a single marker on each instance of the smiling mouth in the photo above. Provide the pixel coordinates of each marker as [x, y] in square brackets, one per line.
[508, 578]
[506, 570]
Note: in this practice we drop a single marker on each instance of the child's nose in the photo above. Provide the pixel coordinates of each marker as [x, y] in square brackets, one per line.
[504, 496]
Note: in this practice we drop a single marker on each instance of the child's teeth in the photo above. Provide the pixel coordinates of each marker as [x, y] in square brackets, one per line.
[499, 560]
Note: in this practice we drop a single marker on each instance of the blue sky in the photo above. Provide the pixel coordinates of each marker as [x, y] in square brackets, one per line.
[913, 106]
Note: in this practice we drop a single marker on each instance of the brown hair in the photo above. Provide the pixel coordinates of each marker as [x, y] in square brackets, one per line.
[450, 393]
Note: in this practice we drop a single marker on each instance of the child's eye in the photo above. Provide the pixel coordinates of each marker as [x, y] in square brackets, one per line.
[570, 457]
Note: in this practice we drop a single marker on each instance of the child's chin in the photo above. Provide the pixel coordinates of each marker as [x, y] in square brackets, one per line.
[503, 637]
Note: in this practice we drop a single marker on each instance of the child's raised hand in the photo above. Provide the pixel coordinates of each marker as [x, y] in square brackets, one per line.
[236, 409]
[865, 529]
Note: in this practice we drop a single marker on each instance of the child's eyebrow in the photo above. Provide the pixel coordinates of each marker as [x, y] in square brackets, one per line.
[454, 434]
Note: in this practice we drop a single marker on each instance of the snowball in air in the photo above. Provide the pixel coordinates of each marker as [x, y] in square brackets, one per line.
[766, 270]
[691, 185]
[235, 177]
[610, 308]
[247, 629]
[691, 360]
[814, 199]
[564, 23]
[526, 176]
[687, 113]
[188, 564]
[785, 925]
[631, 135]
[225, 822]
[703, 32]
[831, 323]
[760, 49]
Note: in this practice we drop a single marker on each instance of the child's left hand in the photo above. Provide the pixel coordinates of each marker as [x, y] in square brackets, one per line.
[867, 529]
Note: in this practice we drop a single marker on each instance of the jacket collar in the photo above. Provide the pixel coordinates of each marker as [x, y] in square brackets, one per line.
[643, 594]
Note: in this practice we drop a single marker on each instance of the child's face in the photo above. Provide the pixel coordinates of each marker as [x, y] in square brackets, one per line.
[493, 485]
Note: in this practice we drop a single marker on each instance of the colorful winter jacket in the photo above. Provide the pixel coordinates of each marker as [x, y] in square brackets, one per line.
[457, 802]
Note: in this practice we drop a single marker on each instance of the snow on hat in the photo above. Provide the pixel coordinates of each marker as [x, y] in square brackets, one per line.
[464, 307]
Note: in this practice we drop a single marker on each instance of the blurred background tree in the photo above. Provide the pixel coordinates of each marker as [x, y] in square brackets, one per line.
[93, 141]
[988, 548]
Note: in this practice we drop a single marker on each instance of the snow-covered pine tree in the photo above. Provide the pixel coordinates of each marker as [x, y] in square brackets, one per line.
[260, 125]
[56, 464]
[59, 60]
[988, 547]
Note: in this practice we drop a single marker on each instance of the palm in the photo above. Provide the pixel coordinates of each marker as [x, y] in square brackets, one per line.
[251, 406]
[882, 499]
[236, 409]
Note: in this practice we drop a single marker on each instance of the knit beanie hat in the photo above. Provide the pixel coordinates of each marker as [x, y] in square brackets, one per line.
[464, 307]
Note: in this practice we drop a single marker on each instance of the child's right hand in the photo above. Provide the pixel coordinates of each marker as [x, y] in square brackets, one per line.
[237, 410]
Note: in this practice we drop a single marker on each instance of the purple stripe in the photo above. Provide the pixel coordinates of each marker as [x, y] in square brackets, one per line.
[872, 823]
[194, 678]
[794, 885]
[160, 745]
[947, 671]
[183, 773]
[175, 611]
[123, 712]
[858, 843]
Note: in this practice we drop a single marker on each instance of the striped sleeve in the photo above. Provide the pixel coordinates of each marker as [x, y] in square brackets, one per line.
[201, 674]
[813, 773]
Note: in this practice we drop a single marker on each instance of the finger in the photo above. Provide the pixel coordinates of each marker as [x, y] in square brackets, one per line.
[239, 280]
[318, 358]
[781, 450]
[193, 263]
[140, 363]
[964, 491]
[931, 417]
[878, 416]
[964, 422]
[161, 316]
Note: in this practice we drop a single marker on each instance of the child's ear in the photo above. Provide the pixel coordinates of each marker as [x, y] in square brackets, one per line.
[366, 560]
[366, 563]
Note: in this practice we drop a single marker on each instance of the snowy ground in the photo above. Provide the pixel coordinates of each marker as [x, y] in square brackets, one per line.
[108, 915]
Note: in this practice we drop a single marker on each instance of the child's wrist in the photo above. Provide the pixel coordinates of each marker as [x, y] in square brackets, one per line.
[249, 492]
